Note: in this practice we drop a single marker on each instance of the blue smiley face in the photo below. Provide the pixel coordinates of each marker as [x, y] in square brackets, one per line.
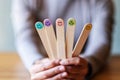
[39, 25]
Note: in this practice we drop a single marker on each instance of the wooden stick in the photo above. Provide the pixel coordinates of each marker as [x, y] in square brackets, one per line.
[51, 37]
[60, 38]
[42, 34]
[82, 39]
[71, 24]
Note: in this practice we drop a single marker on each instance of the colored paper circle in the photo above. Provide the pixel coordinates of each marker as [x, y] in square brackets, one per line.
[60, 23]
[47, 22]
[71, 21]
[39, 25]
[88, 27]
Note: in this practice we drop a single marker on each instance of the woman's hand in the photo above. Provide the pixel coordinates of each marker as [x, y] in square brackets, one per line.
[48, 70]
[76, 68]
[68, 69]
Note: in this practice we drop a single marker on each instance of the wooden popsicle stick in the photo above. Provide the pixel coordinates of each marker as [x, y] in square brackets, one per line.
[82, 39]
[60, 39]
[71, 24]
[51, 37]
[42, 34]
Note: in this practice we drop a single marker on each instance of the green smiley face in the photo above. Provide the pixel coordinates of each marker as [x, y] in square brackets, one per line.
[39, 25]
[71, 22]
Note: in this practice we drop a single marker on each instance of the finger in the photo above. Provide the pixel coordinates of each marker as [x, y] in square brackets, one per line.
[42, 61]
[41, 67]
[60, 76]
[70, 61]
[77, 70]
[73, 61]
[75, 77]
[73, 69]
[48, 73]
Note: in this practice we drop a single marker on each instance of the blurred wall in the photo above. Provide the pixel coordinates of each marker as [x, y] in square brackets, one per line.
[6, 32]
[7, 37]
[116, 35]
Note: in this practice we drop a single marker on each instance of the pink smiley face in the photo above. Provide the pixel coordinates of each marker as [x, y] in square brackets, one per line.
[59, 23]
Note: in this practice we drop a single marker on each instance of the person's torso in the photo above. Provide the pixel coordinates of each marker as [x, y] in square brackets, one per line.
[82, 10]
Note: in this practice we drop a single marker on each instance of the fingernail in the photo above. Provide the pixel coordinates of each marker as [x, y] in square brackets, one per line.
[62, 62]
[62, 68]
[64, 74]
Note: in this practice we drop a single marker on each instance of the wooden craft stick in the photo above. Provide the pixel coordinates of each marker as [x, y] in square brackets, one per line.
[51, 37]
[71, 24]
[42, 33]
[82, 39]
[60, 39]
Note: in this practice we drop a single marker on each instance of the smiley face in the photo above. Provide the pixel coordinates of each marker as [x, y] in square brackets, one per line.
[88, 27]
[47, 22]
[59, 23]
[39, 25]
[71, 22]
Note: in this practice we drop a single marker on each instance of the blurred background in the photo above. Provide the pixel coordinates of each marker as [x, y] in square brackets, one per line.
[7, 36]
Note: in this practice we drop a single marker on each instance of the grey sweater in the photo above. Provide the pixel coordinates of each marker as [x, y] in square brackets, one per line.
[98, 12]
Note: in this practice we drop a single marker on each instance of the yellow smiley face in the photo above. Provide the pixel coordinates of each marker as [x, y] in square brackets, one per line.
[88, 27]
